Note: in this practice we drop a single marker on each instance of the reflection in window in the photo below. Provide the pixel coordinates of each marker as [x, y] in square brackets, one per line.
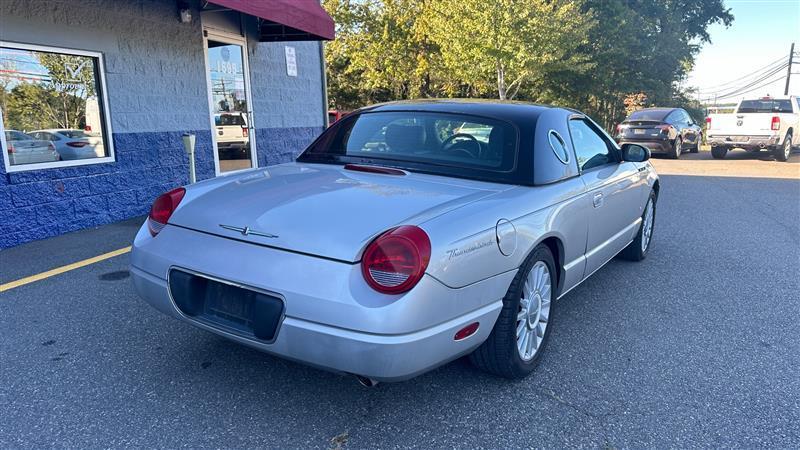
[51, 105]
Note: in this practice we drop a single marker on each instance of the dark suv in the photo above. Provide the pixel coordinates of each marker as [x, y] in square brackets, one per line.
[662, 130]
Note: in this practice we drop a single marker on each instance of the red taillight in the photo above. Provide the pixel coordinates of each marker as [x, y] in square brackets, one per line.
[77, 144]
[708, 123]
[163, 208]
[619, 128]
[395, 261]
[776, 123]
[245, 132]
[11, 148]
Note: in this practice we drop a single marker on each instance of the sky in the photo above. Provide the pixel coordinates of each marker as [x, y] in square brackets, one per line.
[762, 32]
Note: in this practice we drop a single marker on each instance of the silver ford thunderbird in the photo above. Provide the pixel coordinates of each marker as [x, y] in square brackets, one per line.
[407, 235]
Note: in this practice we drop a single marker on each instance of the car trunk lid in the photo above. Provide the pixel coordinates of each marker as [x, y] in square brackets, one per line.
[318, 209]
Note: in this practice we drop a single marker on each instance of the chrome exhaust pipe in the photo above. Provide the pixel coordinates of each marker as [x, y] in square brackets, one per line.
[366, 382]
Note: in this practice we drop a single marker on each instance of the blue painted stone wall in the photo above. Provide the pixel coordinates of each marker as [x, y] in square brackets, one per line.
[43, 203]
[156, 87]
[280, 145]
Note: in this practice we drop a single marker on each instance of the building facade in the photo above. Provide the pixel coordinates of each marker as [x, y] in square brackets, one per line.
[95, 97]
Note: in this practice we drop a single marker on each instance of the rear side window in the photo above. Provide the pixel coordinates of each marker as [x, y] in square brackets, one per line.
[591, 149]
[765, 106]
[558, 146]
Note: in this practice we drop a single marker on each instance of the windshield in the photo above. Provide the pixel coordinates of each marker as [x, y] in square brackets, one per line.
[649, 114]
[432, 141]
[765, 106]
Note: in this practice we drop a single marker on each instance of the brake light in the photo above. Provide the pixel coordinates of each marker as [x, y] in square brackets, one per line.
[776, 123]
[708, 122]
[619, 128]
[77, 144]
[163, 208]
[245, 132]
[396, 260]
[11, 148]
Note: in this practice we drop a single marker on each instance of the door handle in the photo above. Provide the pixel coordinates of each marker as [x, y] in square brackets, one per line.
[597, 199]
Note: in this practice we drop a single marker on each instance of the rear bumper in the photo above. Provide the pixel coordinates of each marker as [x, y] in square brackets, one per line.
[328, 323]
[747, 142]
[654, 145]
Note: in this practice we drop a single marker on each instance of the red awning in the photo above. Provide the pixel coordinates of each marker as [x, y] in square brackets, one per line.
[286, 20]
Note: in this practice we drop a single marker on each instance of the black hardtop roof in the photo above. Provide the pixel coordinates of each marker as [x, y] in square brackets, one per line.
[513, 111]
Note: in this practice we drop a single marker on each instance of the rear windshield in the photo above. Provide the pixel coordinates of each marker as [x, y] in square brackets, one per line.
[431, 141]
[765, 106]
[17, 136]
[222, 120]
[649, 114]
[74, 134]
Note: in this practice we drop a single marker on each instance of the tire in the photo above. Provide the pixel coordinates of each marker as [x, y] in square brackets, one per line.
[500, 354]
[677, 149]
[782, 153]
[638, 248]
[696, 148]
[718, 152]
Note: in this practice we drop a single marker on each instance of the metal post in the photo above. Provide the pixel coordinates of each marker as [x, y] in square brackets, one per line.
[188, 145]
[324, 77]
[789, 70]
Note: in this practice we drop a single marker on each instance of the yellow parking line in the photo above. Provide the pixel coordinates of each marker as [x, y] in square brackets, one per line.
[62, 269]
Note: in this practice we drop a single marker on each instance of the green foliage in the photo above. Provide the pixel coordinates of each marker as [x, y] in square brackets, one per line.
[59, 102]
[586, 54]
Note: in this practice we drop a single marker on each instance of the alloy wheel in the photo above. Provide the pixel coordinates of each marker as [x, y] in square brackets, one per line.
[534, 310]
[647, 226]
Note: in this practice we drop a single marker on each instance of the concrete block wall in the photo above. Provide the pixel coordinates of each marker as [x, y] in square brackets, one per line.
[156, 89]
[288, 110]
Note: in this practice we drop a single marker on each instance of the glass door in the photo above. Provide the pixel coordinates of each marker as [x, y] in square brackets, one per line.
[229, 101]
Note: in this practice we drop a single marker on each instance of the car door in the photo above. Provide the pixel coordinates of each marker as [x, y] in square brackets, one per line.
[690, 128]
[614, 188]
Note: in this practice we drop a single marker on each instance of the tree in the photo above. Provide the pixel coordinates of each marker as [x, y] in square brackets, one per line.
[501, 47]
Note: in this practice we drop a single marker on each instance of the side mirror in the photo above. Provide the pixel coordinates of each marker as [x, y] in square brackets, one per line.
[635, 153]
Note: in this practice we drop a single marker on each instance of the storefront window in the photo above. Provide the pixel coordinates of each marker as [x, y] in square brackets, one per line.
[52, 109]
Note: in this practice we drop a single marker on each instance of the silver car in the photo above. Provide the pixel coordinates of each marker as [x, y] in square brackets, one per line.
[399, 240]
[72, 144]
[25, 149]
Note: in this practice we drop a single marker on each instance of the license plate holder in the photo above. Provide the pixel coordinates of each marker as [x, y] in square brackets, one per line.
[638, 131]
[227, 306]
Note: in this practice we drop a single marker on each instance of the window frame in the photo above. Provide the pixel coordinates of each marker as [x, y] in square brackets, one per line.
[613, 150]
[108, 140]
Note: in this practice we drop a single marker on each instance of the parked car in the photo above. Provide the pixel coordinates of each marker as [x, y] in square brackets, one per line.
[335, 114]
[72, 144]
[233, 136]
[24, 149]
[663, 130]
[767, 123]
[392, 245]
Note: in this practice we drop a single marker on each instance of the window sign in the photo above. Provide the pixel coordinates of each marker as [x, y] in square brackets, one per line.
[291, 62]
[53, 107]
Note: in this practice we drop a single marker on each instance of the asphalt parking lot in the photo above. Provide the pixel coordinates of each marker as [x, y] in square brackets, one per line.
[698, 345]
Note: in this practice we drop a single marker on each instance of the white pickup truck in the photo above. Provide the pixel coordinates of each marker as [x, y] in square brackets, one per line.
[765, 123]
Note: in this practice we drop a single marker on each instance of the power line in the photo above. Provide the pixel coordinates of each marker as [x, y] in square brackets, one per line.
[741, 89]
[753, 89]
[756, 72]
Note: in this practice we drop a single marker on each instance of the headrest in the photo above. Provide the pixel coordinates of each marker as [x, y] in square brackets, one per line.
[405, 138]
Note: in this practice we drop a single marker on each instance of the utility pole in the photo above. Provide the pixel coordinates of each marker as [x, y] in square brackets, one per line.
[789, 70]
